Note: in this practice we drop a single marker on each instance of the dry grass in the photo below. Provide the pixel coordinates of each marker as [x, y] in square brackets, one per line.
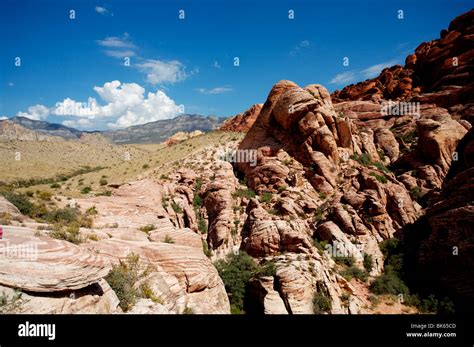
[49, 159]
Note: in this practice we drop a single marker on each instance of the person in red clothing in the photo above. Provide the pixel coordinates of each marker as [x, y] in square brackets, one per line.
[1, 233]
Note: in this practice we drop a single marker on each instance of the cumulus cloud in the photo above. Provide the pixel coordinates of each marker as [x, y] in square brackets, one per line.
[124, 105]
[217, 90]
[3, 117]
[161, 72]
[36, 112]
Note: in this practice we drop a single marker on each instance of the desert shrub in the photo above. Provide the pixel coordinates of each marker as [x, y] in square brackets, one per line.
[86, 190]
[416, 193]
[21, 202]
[105, 193]
[266, 197]
[322, 195]
[122, 279]
[363, 159]
[342, 260]
[10, 304]
[168, 239]
[321, 303]
[164, 177]
[205, 249]
[244, 193]
[198, 184]
[176, 208]
[389, 283]
[282, 188]
[202, 225]
[147, 228]
[354, 272]
[368, 262]
[268, 269]
[68, 233]
[197, 201]
[91, 211]
[43, 195]
[145, 166]
[380, 178]
[55, 185]
[381, 167]
[103, 182]
[65, 215]
[236, 271]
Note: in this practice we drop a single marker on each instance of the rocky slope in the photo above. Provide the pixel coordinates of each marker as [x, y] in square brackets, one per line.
[439, 72]
[11, 131]
[243, 121]
[156, 132]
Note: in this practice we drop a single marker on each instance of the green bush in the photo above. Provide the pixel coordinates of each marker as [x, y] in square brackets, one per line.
[389, 283]
[86, 190]
[380, 178]
[244, 193]
[197, 201]
[68, 233]
[348, 261]
[321, 304]
[205, 249]
[176, 208]
[122, 279]
[168, 239]
[266, 197]
[202, 225]
[147, 228]
[45, 195]
[22, 203]
[368, 262]
[363, 159]
[103, 182]
[354, 272]
[236, 271]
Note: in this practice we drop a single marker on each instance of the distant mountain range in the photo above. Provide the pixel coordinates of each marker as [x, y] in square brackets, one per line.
[153, 132]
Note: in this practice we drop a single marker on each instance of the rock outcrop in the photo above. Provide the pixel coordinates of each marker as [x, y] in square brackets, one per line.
[243, 121]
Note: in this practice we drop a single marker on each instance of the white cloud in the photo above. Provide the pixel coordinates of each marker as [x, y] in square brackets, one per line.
[3, 117]
[118, 47]
[116, 42]
[300, 46]
[374, 70]
[359, 75]
[217, 90]
[119, 54]
[125, 104]
[343, 78]
[36, 112]
[101, 10]
[161, 72]
[216, 65]
[11, 84]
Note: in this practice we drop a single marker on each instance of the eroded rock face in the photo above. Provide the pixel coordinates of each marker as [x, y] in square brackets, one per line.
[54, 276]
[438, 72]
[446, 233]
[317, 169]
[45, 265]
[243, 121]
[181, 276]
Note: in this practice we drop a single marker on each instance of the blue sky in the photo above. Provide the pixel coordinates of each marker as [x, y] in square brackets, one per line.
[190, 62]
